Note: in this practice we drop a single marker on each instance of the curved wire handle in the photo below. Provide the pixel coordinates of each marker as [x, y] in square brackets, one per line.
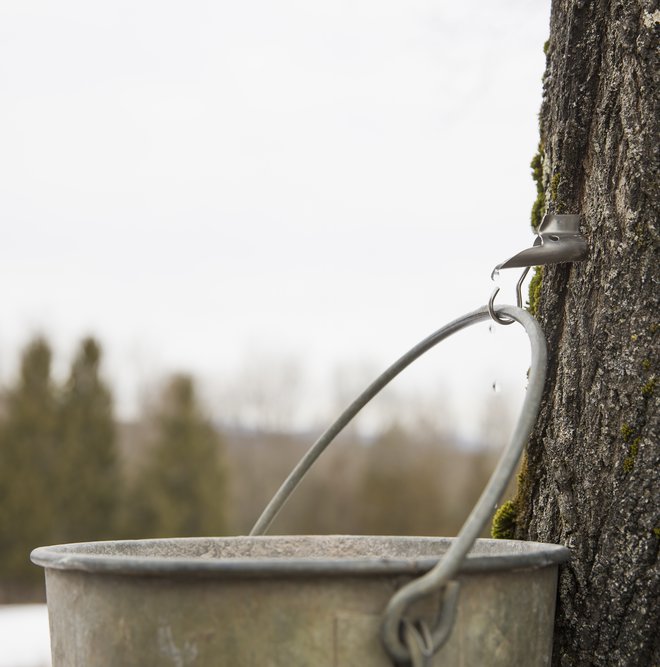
[439, 577]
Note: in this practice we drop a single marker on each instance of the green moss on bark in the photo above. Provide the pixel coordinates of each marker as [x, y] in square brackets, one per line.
[504, 521]
[649, 387]
[633, 450]
[556, 203]
[538, 208]
[535, 290]
[627, 432]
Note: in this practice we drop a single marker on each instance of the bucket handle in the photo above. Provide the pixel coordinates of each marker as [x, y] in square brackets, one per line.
[438, 578]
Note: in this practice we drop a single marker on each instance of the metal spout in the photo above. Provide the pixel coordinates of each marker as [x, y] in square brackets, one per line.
[559, 240]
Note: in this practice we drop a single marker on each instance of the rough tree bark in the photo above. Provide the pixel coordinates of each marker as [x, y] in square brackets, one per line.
[591, 480]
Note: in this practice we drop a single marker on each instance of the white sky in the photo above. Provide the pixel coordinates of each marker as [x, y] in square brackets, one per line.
[204, 185]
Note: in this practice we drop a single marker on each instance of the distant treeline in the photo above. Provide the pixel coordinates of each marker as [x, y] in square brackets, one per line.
[70, 472]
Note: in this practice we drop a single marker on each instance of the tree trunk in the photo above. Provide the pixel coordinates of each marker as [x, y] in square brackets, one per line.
[592, 475]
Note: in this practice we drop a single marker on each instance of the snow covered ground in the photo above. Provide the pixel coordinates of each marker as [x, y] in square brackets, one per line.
[24, 637]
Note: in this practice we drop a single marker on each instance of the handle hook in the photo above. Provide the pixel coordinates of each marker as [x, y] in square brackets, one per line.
[491, 302]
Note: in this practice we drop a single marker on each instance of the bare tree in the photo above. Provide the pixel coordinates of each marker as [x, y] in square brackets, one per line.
[264, 394]
[592, 474]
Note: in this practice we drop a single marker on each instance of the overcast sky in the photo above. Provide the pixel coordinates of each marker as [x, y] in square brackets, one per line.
[212, 185]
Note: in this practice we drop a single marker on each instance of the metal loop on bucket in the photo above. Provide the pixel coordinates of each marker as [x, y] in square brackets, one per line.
[432, 639]
[417, 637]
[439, 577]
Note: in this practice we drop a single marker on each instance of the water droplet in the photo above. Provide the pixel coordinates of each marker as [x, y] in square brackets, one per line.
[495, 274]
[491, 329]
[496, 387]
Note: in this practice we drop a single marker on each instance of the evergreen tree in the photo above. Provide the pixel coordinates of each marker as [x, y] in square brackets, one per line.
[27, 465]
[87, 474]
[181, 489]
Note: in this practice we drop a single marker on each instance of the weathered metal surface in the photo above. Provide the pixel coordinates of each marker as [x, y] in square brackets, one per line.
[288, 601]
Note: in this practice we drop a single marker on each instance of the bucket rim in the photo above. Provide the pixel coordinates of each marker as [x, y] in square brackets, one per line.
[489, 555]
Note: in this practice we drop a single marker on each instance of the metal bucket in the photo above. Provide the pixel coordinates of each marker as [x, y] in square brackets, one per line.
[317, 601]
[312, 601]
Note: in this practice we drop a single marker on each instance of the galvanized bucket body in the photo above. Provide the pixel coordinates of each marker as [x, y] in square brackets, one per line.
[289, 601]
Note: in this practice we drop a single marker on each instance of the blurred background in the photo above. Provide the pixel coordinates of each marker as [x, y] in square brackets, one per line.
[220, 221]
